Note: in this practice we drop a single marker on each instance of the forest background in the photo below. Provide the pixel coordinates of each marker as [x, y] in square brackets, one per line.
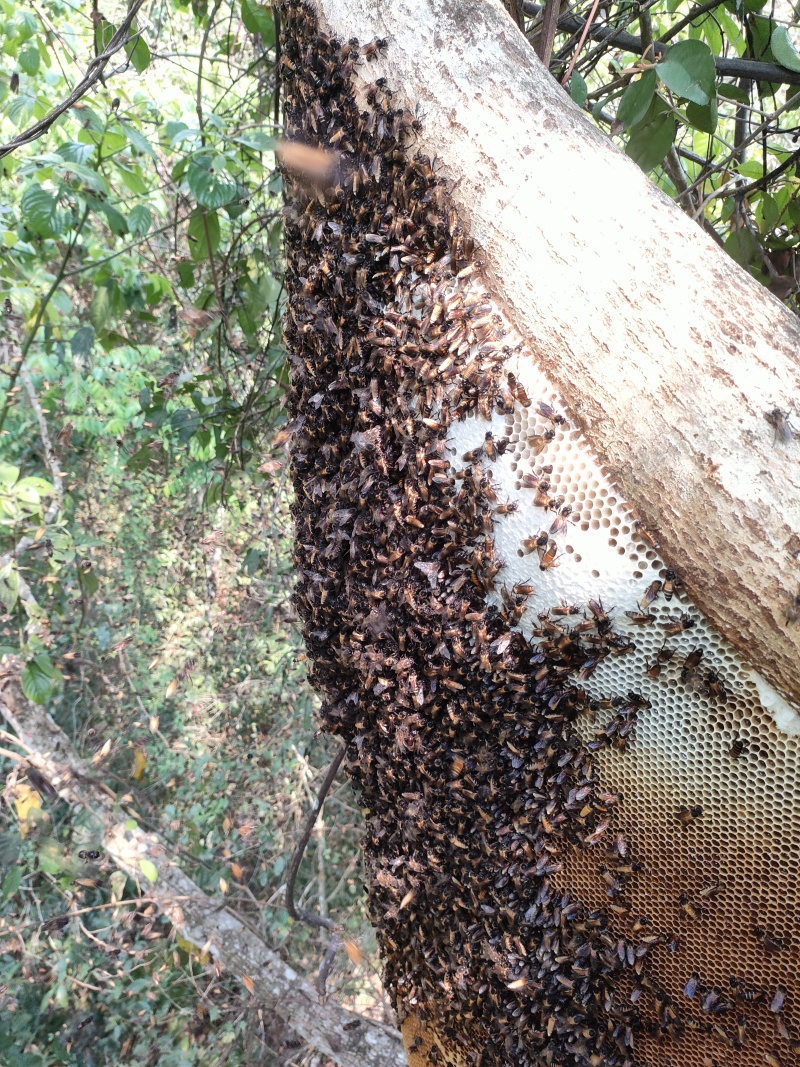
[145, 532]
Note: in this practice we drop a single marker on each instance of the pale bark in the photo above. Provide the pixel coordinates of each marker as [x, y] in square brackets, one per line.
[207, 922]
[667, 354]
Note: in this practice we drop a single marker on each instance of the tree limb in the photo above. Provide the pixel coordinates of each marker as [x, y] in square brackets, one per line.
[94, 73]
[350, 1039]
[733, 68]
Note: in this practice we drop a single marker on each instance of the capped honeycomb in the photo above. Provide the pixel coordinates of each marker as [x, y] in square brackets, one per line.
[581, 805]
[710, 774]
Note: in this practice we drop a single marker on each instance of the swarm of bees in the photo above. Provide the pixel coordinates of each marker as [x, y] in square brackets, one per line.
[462, 735]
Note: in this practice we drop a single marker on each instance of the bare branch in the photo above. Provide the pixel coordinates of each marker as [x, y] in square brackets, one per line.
[94, 73]
[350, 1039]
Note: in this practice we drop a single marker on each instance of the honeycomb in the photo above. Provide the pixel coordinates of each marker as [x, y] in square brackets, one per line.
[720, 886]
[581, 814]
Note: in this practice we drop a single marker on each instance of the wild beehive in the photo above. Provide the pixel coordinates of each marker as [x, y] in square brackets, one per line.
[582, 804]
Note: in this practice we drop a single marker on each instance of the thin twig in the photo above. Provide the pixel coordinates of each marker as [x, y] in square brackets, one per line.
[93, 74]
[297, 855]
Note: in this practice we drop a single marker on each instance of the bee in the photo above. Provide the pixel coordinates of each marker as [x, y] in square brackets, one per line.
[542, 499]
[473, 455]
[602, 619]
[776, 1004]
[530, 481]
[650, 594]
[566, 609]
[535, 544]
[641, 618]
[692, 910]
[506, 509]
[560, 522]
[783, 429]
[690, 988]
[548, 558]
[645, 534]
[771, 1060]
[518, 391]
[715, 687]
[490, 448]
[686, 816]
[671, 583]
[89, 854]
[691, 663]
[677, 625]
[793, 612]
[768, 940]
[522, 589]
[549, 413]
[663, 656]
[711, 891]
[538, 442]
[374, 48]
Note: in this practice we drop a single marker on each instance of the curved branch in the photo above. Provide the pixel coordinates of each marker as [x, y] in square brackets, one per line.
[94, 73]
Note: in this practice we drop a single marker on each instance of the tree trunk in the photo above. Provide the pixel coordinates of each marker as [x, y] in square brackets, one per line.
[546, 554]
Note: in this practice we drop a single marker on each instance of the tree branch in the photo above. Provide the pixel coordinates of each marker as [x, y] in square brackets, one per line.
[733, 68]
[93, 74]
[350, 1039]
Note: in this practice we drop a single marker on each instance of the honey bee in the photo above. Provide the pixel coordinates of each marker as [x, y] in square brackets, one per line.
[675, 626]
[549, 413]
[641, 618]
[535, 544]
[645, 534]
[686, 816]
[566, 609]
[548, 558]
[783, 429]
[671, 583]
[538, 442]
[506, 509]
[602, 619]
[650, 594]
[776, 1004]
[690, 988]
[522, 589]
[374, 48]
[663, 656]
[691, 663]
[560, 522]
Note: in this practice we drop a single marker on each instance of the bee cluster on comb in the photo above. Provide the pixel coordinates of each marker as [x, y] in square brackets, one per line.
[503, 651]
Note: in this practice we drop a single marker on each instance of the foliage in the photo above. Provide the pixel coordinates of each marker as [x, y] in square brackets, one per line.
[705, 98]
[145, 558]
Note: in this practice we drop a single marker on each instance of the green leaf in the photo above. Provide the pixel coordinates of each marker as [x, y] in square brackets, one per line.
[689, 71]
[140, 459]
[40, 679]
[9, 585]
[82, 341]
[783, 49]
[650, 141]
[90, 583]
[186, 273]
[733, 92]
[637, 99]
[138, 53]
[206, 187]
[28, 61]
[703, 118]
[257, 18]
[140, 220]
[149, 870]
[12, 882]
[103, 32]
[578, 89]
[40, 211]
[137, 140]
[203, 233]
[100, 308]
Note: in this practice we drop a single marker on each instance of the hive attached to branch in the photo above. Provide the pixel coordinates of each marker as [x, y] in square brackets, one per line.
[582, 805]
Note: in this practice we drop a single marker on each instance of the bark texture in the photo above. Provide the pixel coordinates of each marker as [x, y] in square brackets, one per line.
[668, 355]
[349, 1039]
